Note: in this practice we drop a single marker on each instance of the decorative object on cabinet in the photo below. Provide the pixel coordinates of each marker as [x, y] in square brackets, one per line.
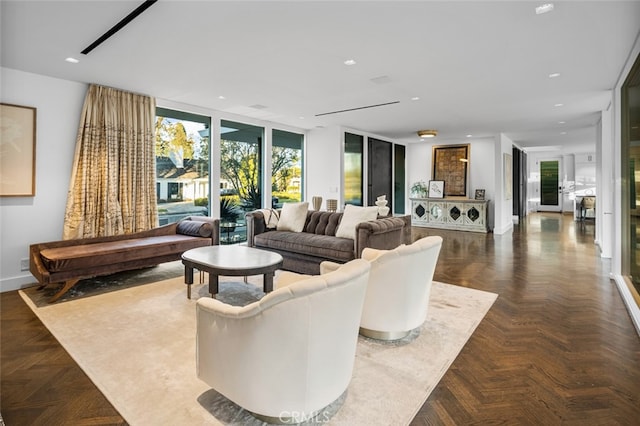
[450, 164]
[479, 194]
[450, 213]
[420, 189]
[18, 154]
[436, 189]
[381, 202]
[332, 205]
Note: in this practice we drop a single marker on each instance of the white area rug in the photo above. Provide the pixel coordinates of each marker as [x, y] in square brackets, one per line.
[137, 345]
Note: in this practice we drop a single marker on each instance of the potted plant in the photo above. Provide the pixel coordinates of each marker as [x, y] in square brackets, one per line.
[229, 211]
[420, 190]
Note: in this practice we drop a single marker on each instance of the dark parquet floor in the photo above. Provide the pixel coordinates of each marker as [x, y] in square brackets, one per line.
[557, 347]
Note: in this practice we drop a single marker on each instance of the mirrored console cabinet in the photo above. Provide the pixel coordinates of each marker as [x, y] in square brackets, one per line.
[450, 213]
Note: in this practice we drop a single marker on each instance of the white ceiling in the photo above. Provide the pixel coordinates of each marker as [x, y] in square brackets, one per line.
[479, 67]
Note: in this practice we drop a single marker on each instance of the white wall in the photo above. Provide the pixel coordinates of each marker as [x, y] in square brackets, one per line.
[324, 164]
[503, 208]
[28, 220]
[605, 184]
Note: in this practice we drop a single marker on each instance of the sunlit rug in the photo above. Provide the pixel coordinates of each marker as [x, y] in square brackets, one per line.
[137, 344]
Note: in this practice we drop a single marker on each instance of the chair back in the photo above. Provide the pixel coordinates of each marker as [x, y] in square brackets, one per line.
[292, 351]
[397, 297]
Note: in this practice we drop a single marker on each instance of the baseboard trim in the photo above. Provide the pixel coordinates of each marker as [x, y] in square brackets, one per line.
[627, 297]
[17, 283]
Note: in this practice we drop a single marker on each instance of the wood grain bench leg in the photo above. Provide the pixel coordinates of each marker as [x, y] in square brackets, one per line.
[67, 285]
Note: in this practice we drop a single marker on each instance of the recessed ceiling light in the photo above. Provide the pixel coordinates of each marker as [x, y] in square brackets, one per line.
[558, 105]
[469, 136]
[563, 133]
[554, 75]
[415, 98]
[72, 60]
[301, 118]
[221, 97]
[544, 8]
[350, 62]
[561, 122]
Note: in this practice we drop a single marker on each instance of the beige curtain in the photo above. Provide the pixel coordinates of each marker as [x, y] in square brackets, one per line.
[113, 182]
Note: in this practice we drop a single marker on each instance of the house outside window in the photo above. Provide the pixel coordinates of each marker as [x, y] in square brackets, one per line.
[182, 165]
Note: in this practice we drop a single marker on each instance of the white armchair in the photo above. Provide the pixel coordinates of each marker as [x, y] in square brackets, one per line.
[397, 296]
[290, 354]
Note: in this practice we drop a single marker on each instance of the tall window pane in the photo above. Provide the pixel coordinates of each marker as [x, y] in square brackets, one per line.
[240, 177]
[353, 146]
[631, 177]
[182, 165]
[399, 178]
[286, 167]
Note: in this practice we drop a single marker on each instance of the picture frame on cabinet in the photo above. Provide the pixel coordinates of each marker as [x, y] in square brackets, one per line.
[479, 194]
[436, 189]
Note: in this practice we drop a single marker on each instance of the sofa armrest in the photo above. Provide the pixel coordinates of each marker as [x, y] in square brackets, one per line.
[255, 225]
[385, 233]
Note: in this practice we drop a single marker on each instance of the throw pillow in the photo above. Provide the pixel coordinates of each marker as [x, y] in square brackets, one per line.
[293, 216]
[271, 217]
[351, 217]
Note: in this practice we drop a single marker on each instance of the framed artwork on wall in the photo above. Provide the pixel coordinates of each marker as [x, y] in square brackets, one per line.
[17, 151]
[479, 194]
[436, 189]
[451, 164]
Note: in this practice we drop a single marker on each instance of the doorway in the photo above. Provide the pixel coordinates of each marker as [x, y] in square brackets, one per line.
[550, 186]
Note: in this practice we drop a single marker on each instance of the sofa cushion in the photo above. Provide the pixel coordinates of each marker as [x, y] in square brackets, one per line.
[293, 217]
[322, 223]
[83, 256]
[322, 246]
[194, 228]
[352, 216]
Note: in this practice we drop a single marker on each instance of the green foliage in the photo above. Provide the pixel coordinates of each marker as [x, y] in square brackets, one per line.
[229, 210]
[172, 137]
[203, 202]
[287, 197]
[240, 165]
[420, 189]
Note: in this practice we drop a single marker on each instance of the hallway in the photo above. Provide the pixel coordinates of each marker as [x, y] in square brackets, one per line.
[557, 346]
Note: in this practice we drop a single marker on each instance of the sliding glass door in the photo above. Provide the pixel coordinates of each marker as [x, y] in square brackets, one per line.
[240, 177]
[630, 127]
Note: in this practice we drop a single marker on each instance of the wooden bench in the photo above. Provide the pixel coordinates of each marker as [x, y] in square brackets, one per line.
[69, 261]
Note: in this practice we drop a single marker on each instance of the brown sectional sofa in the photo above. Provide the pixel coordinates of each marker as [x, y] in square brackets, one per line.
[304, 251]
[69, 261]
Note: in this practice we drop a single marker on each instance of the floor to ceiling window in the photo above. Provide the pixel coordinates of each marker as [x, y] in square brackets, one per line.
[631, 176]
[241, 148]
[286, 167]
[182, 165]
[353, 164]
